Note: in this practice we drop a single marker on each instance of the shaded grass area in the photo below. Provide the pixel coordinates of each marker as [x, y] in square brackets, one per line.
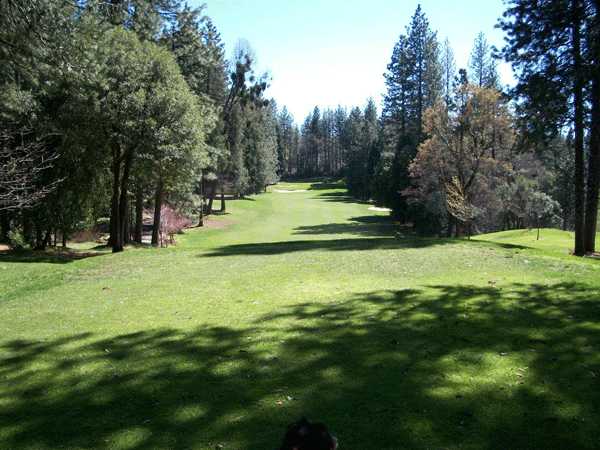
[340, 196]
[274, 248]
[305, 304]
[438, 367]
[51, 256]
[363, 225]
[327, 185]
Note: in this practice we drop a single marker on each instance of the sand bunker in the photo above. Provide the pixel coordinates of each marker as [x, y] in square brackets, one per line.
[377, 208]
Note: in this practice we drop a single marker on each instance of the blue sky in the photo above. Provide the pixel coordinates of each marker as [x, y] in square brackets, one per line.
[330, 52]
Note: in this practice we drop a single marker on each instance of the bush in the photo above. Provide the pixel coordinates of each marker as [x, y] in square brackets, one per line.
[16, 239]
[171, 223]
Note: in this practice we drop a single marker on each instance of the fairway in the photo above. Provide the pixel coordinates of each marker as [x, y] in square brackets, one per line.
[302, 301]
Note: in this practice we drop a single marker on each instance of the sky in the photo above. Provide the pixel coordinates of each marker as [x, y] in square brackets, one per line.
[334, 52]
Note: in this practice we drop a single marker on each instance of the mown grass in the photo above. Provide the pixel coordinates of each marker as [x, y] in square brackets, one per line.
[306, 303]
[551, 242]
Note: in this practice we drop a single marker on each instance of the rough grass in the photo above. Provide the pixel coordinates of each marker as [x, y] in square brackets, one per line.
[304, 304]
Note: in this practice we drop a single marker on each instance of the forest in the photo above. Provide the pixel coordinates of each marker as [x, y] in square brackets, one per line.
[452, 152]
[188, 263]
[111, 108]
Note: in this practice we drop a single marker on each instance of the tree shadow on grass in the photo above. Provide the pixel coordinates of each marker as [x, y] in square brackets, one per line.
[362, 226]
[377, 233]
[502, 245]
[438, 367]
[323, 185]
[334, 245]
[340, 197]
[49, 256]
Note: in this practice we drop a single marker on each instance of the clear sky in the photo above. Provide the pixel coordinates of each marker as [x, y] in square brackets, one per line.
[330, 52]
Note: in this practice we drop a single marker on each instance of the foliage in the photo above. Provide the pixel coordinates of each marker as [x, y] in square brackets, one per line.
[171, 223]
[414, 83]
[16, 239]
[469, 151]
[287, 144]
[553, 47]
[482, 66]
[22, 163]
[114, 99]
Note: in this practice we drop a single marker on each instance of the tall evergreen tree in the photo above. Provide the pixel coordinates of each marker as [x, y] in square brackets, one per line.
[147, 18]
[483, 70]
[448, 66]
[314, 141]
[547, 45]
[593, 182]
[414, 83]
[340, 116]
[356, 170]
[199, 52]
[285, 143]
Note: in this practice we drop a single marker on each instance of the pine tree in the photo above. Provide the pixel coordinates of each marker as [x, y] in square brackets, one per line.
[339, 157]
[356, 169]
[245, 94]
[314, 141]
[593, 182]
[199, 52]
[448, 65]
[482, 66]
[145, 17]
[399, 87]
[260, 148]
[414, 83]
[547, 45]
[370, 137]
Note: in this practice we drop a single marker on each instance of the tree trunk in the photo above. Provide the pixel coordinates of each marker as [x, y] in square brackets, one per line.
[578, 86]
[139, 216]
[201, 214]
[4, 226]
[123, 202]
[158, 200]
[47, 238]
[127, 225]
[450, 226]
[211, 197]
[223, 207]
[209, 208]
[27, 231]
[593, 187]
[64, 239]
[114, 239]
[40, 241]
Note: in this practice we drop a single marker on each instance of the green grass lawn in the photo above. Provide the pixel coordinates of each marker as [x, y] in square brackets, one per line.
[303, 303]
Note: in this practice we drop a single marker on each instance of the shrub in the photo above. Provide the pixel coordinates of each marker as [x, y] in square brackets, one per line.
[171, 223]
[16, 239]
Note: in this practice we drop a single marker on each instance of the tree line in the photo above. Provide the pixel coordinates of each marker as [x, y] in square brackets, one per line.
[454, 152]
[112, 108]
